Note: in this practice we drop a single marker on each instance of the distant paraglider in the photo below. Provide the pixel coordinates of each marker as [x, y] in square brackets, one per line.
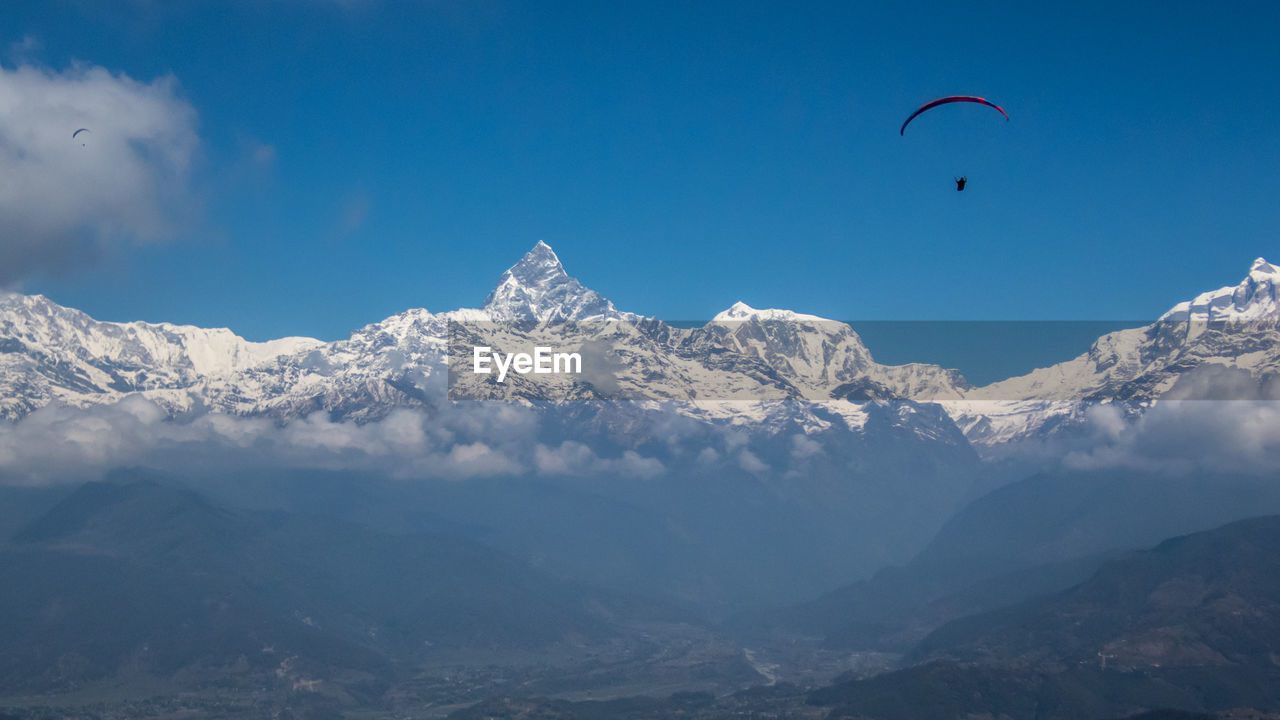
[77, 132]
[946, 100]
[960, 181]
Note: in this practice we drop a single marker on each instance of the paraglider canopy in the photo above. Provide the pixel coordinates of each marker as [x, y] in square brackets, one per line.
[950, 99]
[74, 134]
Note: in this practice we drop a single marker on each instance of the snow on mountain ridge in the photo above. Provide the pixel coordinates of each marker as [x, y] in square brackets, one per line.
[49, 353]
[40, 322]
[743, 311]
[1253, 299]
[1233, 326]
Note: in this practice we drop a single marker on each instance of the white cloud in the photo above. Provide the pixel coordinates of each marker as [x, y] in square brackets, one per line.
[748, 461]
[708, 456]
[1180, 436]
[633, 464]
[66, 444]
[573, 458]
[803, 447]
[478, 460]
[65, 202]
[570, 458]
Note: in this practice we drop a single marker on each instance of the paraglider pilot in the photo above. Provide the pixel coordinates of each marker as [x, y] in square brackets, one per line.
[960, 181]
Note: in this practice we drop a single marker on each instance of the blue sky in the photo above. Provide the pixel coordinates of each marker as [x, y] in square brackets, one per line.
[358, 158]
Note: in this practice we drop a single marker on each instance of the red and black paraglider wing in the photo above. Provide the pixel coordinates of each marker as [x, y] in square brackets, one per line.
[951, 99]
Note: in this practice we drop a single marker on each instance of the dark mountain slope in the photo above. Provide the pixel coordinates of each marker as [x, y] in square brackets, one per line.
[1038, 536]
[1210, 598]
[145, 576]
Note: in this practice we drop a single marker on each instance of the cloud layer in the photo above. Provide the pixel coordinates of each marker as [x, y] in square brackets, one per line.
[1194, 432]
[1215, 419]
[67, 444]
[65, 202]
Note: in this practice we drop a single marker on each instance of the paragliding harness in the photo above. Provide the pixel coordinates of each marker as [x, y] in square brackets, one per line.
[960, 181]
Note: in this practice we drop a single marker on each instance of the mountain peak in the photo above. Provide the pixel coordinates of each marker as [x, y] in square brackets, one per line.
[1256, 298]
[743, 311]
[539, 266]
[538, 288]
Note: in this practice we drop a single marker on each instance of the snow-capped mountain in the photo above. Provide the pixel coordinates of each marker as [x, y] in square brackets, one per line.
[747, 366]
[728, 371]
[1253, 300]
[826, 358]
[1232, 327]
[50, 353]
[734, 370]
